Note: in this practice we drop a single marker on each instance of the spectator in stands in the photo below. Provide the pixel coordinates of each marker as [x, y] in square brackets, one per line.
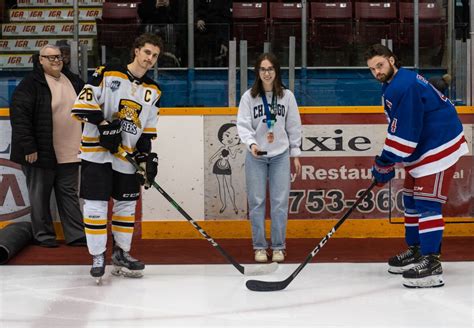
[441, 83]
[65, 49]
[213, 18]
[45, 141]
[11, 4]
[268, 122]
[167, 19]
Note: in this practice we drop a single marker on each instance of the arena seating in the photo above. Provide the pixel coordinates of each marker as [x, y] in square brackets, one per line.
[250, 23]
[119, 24]
[285, 21]
[331, 31]
[431, 24]
[376, 21]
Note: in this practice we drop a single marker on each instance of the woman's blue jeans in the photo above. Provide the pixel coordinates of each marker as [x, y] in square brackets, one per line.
[277, 170]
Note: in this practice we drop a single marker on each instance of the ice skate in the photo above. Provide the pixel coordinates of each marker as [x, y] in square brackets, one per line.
[427, 273]
[125, 265]
[98, 267]
[404, 261]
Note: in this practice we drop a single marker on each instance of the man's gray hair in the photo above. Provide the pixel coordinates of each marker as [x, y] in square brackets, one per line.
[50, 46]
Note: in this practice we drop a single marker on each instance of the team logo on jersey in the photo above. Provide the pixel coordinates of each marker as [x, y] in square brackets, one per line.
[393, 126]
[114, 85]
[98, 71]
[129, 113]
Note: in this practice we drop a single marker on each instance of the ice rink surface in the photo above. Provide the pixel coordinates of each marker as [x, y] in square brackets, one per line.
[322, 295]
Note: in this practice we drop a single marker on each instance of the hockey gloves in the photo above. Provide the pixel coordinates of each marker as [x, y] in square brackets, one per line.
[110, 136]
[149, 164]
[382, 172]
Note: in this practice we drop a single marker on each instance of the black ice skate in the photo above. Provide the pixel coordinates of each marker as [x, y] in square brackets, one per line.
[125, 265]
[404, 261]
[98, 267]
[427, 273]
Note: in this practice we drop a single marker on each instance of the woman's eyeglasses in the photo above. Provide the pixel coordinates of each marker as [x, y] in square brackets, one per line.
[53, 58]
[269, 70]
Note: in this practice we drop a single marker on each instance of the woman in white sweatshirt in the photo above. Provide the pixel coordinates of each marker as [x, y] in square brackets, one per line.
[269, 124]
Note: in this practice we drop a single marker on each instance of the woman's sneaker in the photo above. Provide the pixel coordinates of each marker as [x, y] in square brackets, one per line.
[261, 255]
[404, 261]
[427, 273]
[278, 255]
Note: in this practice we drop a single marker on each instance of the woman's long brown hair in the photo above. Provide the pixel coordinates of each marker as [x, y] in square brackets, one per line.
[257, 87]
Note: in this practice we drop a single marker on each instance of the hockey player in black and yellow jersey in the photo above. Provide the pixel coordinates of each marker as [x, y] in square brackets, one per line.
[119, 108]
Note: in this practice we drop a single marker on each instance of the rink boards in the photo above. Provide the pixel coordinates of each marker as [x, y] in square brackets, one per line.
[338, 147]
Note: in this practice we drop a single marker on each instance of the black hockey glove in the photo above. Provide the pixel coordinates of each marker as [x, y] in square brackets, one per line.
[149, 164]
[110, 136]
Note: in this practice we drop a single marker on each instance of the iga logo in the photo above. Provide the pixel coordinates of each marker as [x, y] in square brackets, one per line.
[14, 202]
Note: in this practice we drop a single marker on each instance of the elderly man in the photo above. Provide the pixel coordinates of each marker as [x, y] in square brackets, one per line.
[45, 141]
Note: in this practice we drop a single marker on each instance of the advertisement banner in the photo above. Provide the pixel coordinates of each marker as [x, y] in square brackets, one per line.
[16, 61]
[14, 201]
[336, 160]
[46, 29]
[53, 14]
[33, 45]
[58, 3]
[224, 175]
[328, 187]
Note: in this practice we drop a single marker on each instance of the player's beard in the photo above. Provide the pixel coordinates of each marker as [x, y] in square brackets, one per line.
[387, 77]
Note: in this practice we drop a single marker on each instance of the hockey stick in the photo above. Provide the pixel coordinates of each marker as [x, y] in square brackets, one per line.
[259, 270]
[270, 286]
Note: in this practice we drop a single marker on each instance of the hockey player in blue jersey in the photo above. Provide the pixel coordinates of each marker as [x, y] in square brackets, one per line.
[426, 135]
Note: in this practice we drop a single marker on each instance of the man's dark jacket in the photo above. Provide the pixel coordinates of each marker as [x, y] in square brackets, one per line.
[32, 119]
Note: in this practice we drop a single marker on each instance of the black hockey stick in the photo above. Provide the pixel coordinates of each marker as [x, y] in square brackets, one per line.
[270, 286]
[259, 270]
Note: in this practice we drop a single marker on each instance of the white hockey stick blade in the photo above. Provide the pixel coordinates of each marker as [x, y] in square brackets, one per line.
[261, 269]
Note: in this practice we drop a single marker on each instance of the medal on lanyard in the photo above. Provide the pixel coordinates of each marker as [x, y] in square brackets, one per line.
[270, 117]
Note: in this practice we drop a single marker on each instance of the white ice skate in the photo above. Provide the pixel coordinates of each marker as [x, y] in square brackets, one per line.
[98, 267]
[125, 265]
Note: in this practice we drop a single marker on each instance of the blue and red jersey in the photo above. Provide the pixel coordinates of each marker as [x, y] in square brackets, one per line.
[424, 130]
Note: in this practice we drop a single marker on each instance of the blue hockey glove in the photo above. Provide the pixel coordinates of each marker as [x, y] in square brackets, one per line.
[382, 172]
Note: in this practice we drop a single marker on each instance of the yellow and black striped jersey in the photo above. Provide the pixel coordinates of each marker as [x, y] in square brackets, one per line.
[114, 93]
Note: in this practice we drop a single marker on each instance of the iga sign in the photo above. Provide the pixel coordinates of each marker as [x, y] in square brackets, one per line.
[57, 3]
[53, 14]
[47, 29]
[16, 61]
[16, 45]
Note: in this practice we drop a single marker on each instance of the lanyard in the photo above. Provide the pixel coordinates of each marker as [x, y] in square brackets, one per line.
[269, 113]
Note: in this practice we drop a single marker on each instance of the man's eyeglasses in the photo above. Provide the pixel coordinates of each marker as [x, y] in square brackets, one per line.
[269, 70]
[53, 58]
